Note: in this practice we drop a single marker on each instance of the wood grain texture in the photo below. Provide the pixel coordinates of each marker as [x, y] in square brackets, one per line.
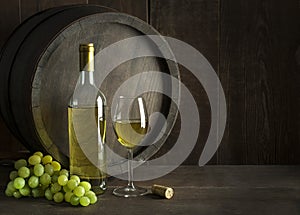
[196, 23]
[30, 7]
[259, 72]
[12, 47]
[67, 16]
[136, 8]
[9, 19]
[12, 13]
[45, 4]
[33, 74]
[211, 190]
[10, 147]
[257, 48]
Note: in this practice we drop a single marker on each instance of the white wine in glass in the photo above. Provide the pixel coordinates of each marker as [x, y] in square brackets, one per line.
[130, 122]
[130, 132]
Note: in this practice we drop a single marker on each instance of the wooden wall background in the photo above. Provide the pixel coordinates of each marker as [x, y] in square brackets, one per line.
[254, 46]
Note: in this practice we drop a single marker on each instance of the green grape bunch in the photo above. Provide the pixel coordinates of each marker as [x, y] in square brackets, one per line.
[42, 176]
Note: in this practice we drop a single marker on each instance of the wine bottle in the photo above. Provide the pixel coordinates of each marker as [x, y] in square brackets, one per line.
[87, 125]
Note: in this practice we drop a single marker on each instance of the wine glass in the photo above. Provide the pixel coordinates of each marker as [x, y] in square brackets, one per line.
[130, 123]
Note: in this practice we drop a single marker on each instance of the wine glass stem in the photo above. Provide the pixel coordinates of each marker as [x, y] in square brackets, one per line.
[130, 170]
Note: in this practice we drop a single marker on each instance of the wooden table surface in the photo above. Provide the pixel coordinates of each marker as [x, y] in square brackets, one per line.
[209, 190]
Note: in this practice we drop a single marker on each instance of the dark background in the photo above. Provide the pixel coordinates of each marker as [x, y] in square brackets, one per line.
[253, 45]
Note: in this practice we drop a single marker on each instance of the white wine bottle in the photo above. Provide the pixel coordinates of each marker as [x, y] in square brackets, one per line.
[87, 125]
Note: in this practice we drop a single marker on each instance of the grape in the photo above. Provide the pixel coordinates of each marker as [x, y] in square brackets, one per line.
[8, 192]
[54, 178]
[92, 196]
[72, 184]
[88, 193]
[34, 159]
[38, 169]
[68, 196]
[48, 194]
[33, 181]
[47, 159]
[40, 154]
[56, 173]
[24, 172]
[58, 197]
[74, 200]
[93, 199]
[37, 192]
[56, 165]
[11, 187]
[76, 178]
[45, 179]
[84, 201]
[64, 172]
[44, 187]
[19, 183]
[55, 188]
[20, 163]
[13, 175]
[17, 194]
[66, 189]
[62, 180]
[49, 169]
[25, 191]
[86, 185]
[79, 191]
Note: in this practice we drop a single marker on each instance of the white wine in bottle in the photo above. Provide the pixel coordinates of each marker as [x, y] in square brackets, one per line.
[87, 125]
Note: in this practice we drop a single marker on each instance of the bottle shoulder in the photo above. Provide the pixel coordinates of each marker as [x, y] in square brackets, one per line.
[87, 96]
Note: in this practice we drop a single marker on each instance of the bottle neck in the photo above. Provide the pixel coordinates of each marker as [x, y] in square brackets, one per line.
[87, 78]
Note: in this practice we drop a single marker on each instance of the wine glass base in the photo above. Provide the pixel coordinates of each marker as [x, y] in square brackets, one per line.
[130, 191]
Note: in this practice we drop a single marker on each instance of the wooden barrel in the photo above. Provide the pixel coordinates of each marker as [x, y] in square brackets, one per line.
[41, 71]
[10, 50]
[8, 53]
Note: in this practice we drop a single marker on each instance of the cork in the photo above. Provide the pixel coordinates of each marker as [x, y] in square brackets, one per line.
[163, 191]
